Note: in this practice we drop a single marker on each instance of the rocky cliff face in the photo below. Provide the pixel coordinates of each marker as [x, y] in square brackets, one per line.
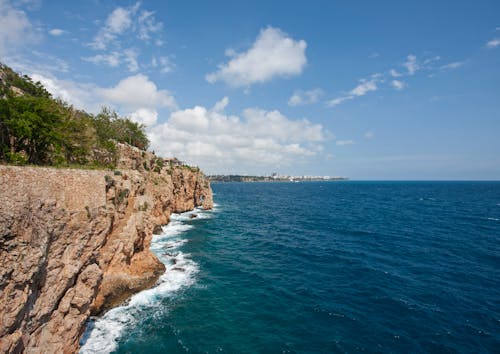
[76, 242]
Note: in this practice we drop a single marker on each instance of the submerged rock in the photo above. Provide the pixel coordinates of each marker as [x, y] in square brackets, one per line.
[157, 230]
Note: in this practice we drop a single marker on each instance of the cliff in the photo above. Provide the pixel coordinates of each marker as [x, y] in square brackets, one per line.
[76, 242]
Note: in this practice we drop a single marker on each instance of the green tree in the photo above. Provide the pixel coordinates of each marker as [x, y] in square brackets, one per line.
[32, 125]
[110, 126]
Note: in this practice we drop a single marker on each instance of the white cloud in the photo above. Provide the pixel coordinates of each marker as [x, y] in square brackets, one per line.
[493, 43]
[147, 25]
[136, 92]
[15, 28]
[369, 135]
[411, 64]
[221, 105]
[344, 142]
[82, 96]
[208, 137]
[112, 59]
[135, 95]
[364, 87]
[131, 59]
[305, 97]
[431, 60]
[140, 23]
[145, 116]
[166, 65]
[221, 142]
[339, 100]
[395, 73]
[40, 62]
[117, 22]
[398, 85]
[452, 65]
[56, 32]
[123, 25]
[273, 54]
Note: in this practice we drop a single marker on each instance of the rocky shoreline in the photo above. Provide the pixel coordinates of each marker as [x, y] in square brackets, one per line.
[74, 243]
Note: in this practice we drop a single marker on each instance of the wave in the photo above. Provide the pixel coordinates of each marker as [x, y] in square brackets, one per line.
[102, 334]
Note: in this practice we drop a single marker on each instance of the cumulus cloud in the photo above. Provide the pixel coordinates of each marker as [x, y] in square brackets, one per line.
[411, 64]
[15, 28]
[305, 97]
[221, 142]
[493, 43]
[136, 92]
[136, 96]
[273, 54]
[209, 137]
[398, 85]
[145, 116]
[80, 95]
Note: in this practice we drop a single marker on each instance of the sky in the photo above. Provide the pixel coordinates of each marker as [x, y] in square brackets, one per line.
[362, 89]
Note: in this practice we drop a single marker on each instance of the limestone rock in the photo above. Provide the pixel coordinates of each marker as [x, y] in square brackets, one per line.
[76, 242]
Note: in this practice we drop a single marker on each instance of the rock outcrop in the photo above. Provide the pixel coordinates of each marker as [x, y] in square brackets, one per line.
[76, 242]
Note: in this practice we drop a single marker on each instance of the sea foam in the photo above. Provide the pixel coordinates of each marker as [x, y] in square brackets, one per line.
[102, 334]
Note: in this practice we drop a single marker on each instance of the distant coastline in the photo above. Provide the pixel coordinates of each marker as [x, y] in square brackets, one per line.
[273, 178]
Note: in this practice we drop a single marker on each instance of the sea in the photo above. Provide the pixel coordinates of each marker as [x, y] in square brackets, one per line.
[321, 267]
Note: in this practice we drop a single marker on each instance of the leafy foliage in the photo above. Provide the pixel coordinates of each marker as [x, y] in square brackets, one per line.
[12, 79]
[37, 129]
[110, 126]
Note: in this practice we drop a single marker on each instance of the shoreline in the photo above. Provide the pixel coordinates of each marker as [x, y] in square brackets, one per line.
[104, 331]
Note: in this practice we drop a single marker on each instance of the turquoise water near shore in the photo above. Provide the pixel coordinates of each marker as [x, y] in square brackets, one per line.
[322, 267]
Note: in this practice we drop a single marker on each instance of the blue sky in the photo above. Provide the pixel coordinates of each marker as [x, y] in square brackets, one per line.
[368, 90]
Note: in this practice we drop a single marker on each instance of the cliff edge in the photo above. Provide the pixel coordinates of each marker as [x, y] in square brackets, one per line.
[76, 242]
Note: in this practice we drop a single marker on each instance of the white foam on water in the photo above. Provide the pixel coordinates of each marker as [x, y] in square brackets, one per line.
[103, 333]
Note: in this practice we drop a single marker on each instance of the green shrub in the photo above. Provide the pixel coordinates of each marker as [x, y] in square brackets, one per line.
[122, 195]
[17, 158]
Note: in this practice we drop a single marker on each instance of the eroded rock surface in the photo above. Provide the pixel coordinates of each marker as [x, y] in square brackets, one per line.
[76, 242]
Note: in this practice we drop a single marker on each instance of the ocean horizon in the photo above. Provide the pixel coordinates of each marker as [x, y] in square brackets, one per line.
[385, 266]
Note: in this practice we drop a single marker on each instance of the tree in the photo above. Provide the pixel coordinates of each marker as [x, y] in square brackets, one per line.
[33, 125]
[110, 126]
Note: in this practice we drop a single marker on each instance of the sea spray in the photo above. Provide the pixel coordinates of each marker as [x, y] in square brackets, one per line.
[103, 333]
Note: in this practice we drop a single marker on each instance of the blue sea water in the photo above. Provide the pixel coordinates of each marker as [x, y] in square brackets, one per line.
[322, 267]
